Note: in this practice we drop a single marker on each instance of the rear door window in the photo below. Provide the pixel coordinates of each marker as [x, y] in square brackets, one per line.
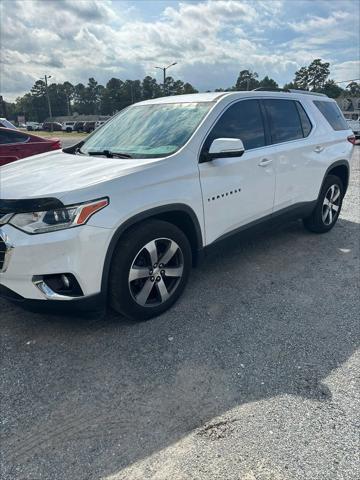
[284, 120]
[333, 114]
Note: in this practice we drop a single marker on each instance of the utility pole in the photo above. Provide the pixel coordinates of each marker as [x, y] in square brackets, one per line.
[164, 74]
[46, 78]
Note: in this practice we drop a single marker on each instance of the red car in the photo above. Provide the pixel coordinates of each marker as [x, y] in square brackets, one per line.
[15, 145]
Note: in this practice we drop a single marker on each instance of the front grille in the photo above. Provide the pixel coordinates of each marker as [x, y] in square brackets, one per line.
[3, 249]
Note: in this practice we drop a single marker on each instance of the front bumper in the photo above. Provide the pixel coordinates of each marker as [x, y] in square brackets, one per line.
[79, 251]
[95, 303]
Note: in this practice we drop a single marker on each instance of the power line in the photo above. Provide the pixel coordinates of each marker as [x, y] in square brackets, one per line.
[345, 81]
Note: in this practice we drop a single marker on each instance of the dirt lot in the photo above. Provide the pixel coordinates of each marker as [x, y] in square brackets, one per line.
[254, 375]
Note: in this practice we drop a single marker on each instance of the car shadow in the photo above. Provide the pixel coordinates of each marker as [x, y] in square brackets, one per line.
[264, 315]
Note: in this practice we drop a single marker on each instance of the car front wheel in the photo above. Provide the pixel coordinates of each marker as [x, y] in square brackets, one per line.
[328, 207]
[149, 271]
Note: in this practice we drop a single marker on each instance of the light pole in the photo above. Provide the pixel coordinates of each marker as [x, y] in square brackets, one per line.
[46, 78]
[164, 72]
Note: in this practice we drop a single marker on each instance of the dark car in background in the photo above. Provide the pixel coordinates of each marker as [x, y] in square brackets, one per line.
[79, 127]
[15, 145]
[52, 126]
[89, 127]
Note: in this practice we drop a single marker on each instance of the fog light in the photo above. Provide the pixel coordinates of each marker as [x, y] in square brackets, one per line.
[62, 285]
[65, 280]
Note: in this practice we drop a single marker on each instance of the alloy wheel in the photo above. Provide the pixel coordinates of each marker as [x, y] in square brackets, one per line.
[331, 204]
[156, 272]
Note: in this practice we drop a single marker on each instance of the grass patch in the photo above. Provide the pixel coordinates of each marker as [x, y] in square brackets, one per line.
[61, 135]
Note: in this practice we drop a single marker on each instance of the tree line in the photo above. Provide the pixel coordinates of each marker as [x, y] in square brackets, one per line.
[314, 77]
[94, 98]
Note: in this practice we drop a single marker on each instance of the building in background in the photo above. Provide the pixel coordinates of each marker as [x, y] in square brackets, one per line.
[350, 106]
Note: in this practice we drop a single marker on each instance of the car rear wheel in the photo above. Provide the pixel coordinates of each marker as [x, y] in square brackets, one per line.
[149, 271]
[328, 208]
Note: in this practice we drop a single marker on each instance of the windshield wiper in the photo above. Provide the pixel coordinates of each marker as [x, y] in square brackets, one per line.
[109, 154]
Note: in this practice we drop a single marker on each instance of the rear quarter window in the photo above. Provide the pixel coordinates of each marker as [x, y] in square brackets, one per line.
[305, 122]
[332, 114]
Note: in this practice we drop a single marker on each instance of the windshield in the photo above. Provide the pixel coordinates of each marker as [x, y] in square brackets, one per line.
[148, 131]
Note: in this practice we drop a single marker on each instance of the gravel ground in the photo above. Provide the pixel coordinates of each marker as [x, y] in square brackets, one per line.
[254, 375]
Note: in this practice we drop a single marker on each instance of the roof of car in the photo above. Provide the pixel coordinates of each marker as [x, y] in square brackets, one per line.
[216, 96]
[189, 98]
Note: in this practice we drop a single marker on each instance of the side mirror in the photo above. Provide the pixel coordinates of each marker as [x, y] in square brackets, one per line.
[225, 148]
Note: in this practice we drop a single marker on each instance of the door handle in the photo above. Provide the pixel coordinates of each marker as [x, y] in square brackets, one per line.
[318, 149]
[264, 162]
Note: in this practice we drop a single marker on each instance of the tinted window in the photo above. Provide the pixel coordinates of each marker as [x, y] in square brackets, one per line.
[12, 137]
[242, 120]
[284, 120]
[333, 114]
[305, 122]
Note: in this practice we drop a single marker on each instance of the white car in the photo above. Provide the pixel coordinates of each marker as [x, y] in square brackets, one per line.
[354, 124]
[68, 126]
[33, 126]
[123, 215]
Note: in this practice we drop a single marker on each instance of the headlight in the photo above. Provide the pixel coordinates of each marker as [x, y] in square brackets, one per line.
[51, 220]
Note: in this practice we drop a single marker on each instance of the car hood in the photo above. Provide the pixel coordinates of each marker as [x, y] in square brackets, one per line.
[57, 173]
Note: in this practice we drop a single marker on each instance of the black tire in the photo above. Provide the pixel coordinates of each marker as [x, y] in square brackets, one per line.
[315, 222]
[121, 294]
[69, 130]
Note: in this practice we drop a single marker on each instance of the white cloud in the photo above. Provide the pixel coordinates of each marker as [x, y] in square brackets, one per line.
[74, 40]
[346, 71]
[313, 23]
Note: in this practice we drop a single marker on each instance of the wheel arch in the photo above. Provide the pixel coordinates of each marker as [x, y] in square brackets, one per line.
[341, 169]
[178, 214]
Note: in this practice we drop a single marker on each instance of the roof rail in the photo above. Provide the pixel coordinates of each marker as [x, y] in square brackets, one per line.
[306, 92]
[288, 90]
[269, 89]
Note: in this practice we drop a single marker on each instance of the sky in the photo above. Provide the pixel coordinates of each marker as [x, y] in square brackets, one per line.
[211, 41]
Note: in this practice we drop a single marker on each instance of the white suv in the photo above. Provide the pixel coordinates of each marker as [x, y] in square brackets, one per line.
[124, 214]
[68, 126]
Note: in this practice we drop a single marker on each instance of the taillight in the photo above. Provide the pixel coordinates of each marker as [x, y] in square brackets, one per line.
[351, 139]
[56, 145]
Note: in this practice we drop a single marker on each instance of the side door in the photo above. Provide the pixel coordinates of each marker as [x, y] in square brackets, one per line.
[237, 190]
[292, 151]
